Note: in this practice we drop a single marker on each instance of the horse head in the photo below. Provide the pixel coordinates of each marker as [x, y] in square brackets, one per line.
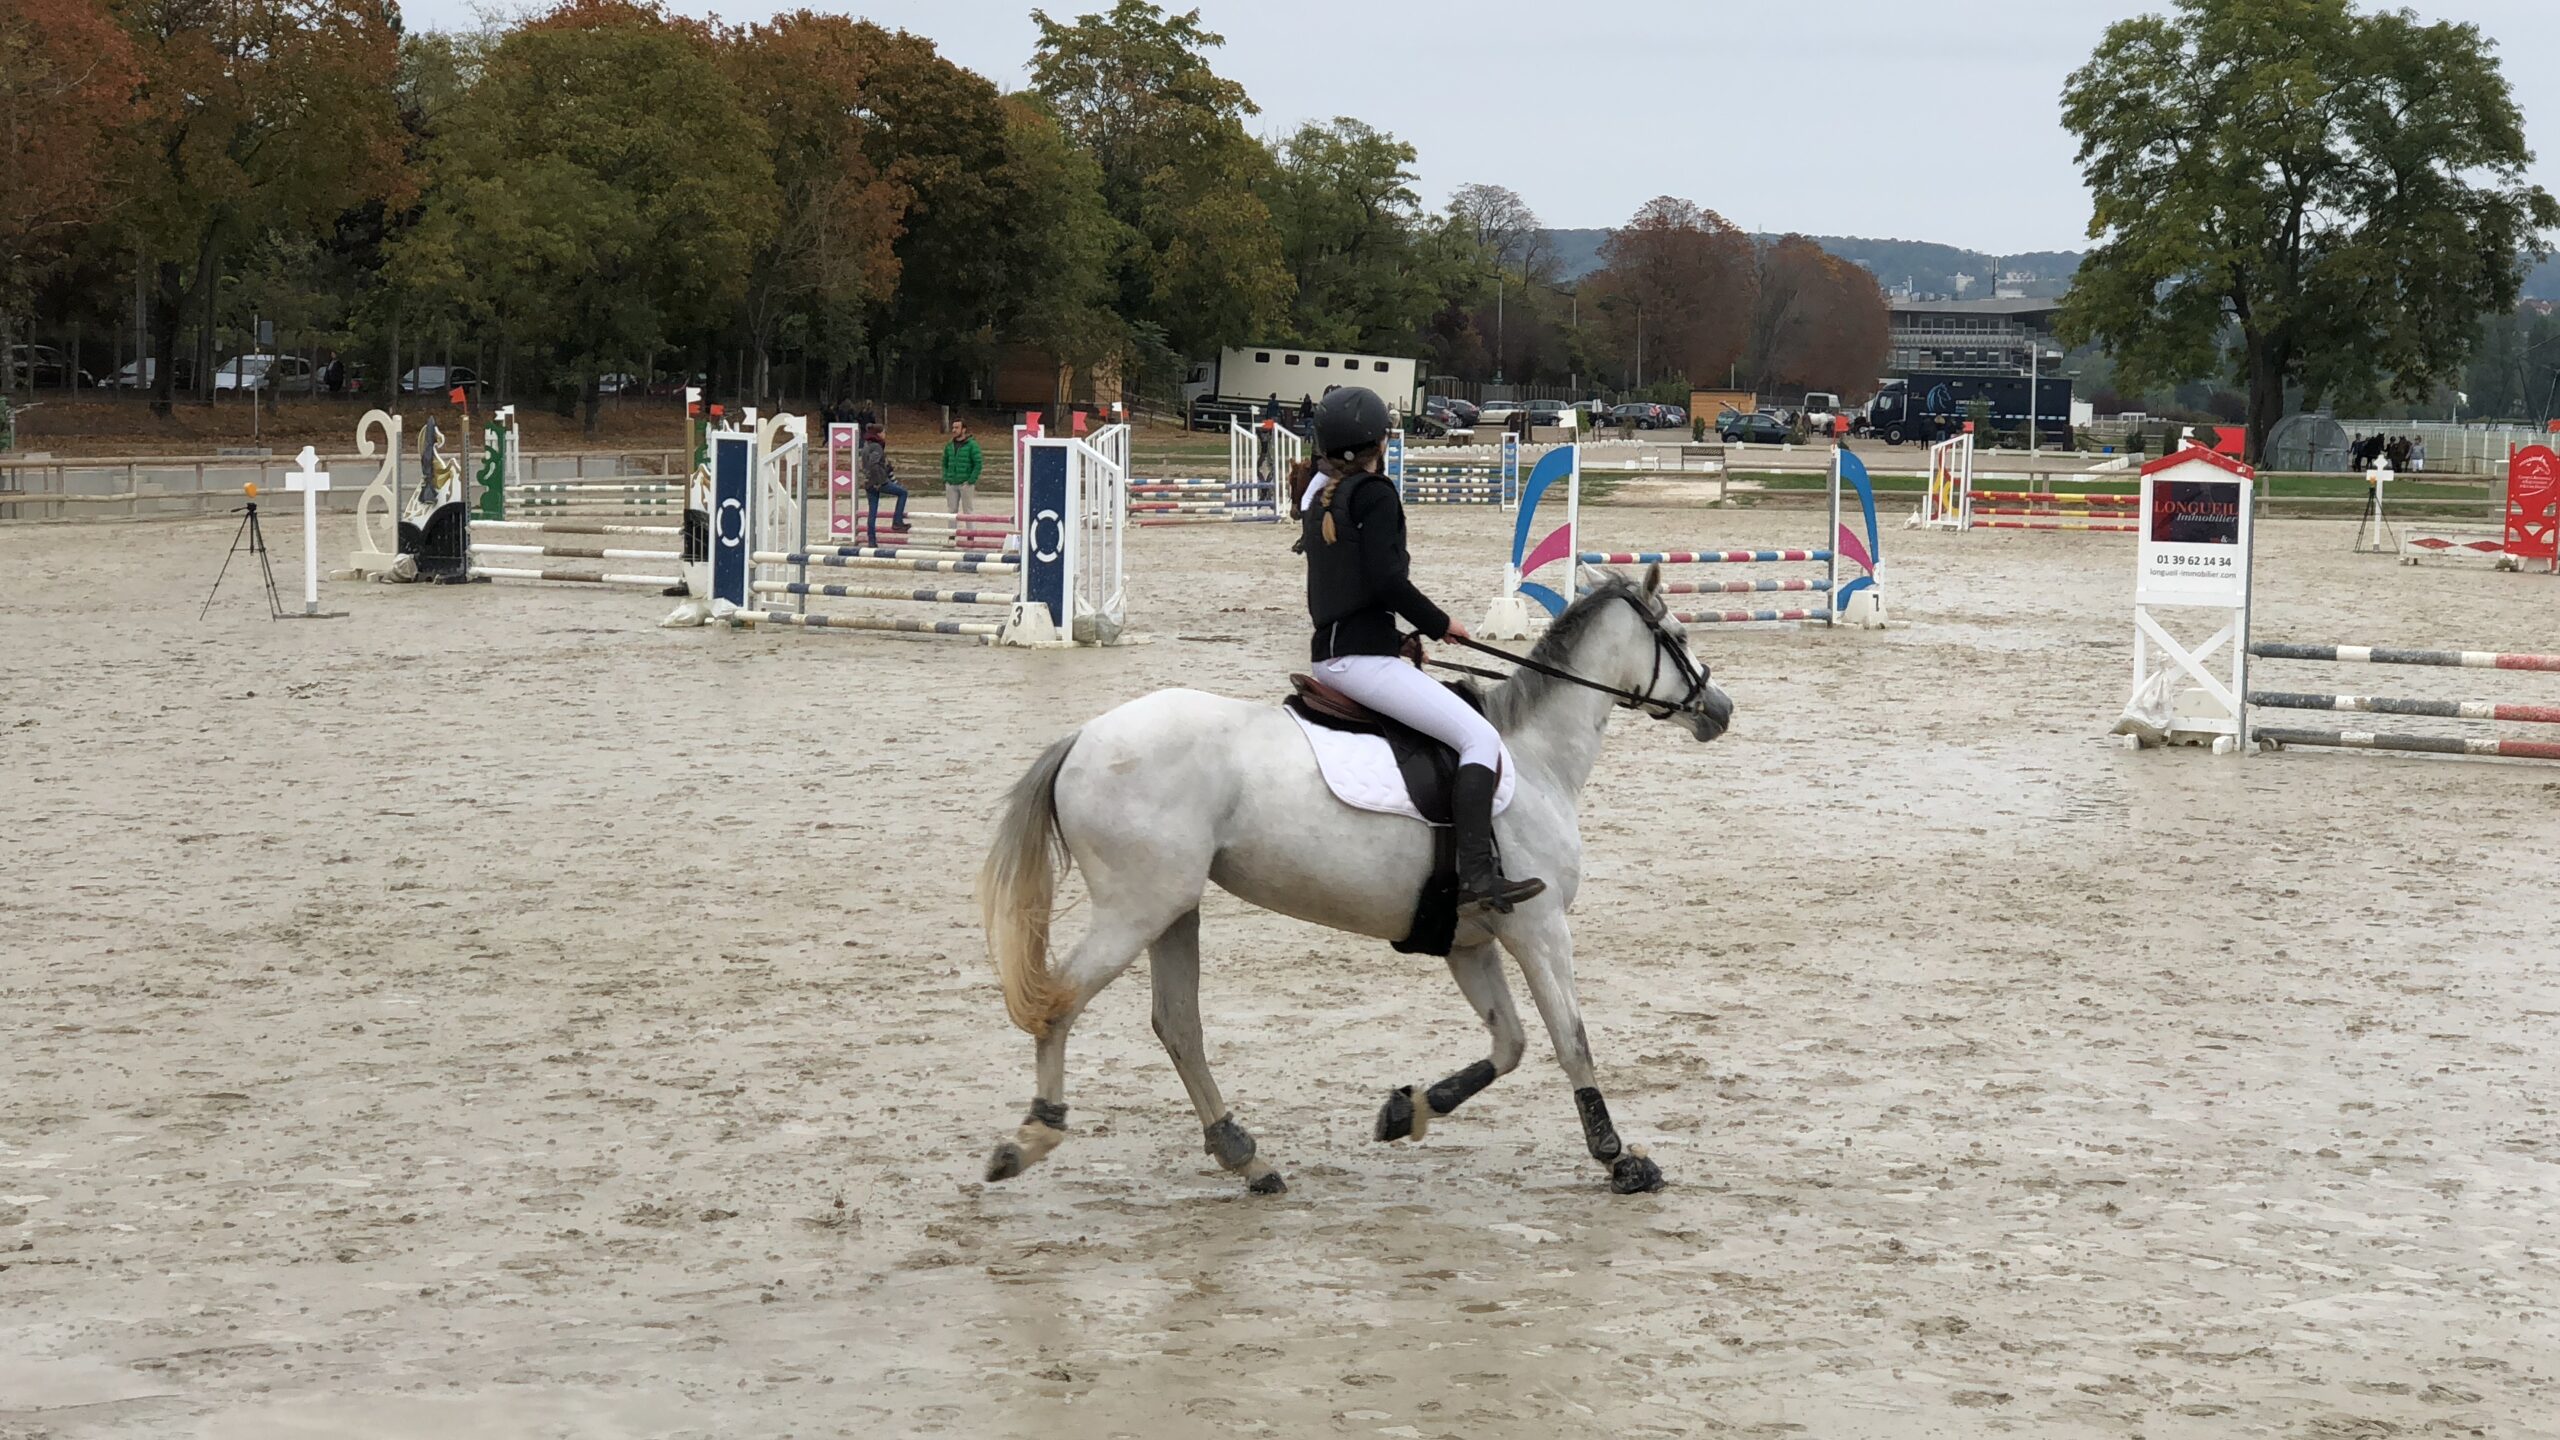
[1621, 634]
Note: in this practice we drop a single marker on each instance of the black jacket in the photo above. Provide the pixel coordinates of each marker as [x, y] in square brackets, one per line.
[1359, 584]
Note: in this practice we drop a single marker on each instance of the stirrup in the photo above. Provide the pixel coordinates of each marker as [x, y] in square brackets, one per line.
[1502, 897]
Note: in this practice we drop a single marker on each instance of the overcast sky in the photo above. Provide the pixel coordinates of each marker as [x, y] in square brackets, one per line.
[1832, 119]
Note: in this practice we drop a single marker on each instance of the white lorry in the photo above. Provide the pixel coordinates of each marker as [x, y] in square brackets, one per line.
[1254, 375]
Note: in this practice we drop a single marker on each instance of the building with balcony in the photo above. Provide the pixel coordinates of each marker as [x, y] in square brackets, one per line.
[1974, 337]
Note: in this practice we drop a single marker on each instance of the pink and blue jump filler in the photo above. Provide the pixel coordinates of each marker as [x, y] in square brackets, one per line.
[1853, 538]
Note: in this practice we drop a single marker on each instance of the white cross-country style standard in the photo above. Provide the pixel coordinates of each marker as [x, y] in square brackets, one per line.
[310, 479]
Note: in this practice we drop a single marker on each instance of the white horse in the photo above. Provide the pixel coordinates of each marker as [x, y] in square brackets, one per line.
[1177, 789]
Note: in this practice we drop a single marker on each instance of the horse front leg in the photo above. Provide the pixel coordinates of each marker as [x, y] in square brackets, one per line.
[1409, 1110]
[1173, 972]
[1541, 942]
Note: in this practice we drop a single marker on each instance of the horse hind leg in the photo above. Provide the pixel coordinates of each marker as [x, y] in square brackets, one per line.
[1102, 956]
[1173, 971]
[1410, 1109]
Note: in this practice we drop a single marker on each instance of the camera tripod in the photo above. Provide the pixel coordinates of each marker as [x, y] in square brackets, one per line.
[250, 537]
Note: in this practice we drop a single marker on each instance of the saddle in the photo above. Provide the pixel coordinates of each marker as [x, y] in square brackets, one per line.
[1429, 768]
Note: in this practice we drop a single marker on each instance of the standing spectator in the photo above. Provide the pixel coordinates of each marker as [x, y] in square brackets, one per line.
[335, 377]
[962, 462]
[1271, 407]
[1306, 416]
[2418, 455]
[2355, 452]
[879, 478]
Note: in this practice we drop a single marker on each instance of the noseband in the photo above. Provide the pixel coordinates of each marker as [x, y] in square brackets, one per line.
[1691, 671]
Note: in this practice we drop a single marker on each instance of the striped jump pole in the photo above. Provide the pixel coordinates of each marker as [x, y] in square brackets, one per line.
[986, 629]
[2419, 744]
[596, 487]
[2394, 655]
[878, 592]
[861, 562]
[887, 552]
[2046, 514]
[2489, 710]
[576, 552]
[1745, 617]
[499, 572]
[561, 527]
[2126, 500]
[2401, 705]
[1700, 557]
[1739, 587]
[2054, 525]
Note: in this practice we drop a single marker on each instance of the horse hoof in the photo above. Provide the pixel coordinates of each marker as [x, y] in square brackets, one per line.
[1270, 1184]
[1005, 1163]
[1633, 1174]
[1395, 1118]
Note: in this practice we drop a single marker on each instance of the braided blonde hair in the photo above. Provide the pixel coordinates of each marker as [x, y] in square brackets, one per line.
[1333, 470]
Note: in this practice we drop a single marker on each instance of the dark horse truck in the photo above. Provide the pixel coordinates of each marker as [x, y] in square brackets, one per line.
[1932, 406]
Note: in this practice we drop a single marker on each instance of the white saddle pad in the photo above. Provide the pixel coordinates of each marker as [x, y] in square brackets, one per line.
[1361, 770]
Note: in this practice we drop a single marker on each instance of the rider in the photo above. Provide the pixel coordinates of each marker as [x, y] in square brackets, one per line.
[1351, 529]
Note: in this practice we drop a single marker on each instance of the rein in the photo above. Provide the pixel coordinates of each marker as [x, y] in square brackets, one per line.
[1691, 671]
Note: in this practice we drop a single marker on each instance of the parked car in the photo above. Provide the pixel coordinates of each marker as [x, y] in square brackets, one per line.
[1546, 412]
[1754, 429]
[1465, 410]
[1645, 415]
[263, 372]
[1497, 413]
[436, 379]
[144, 374]
[671, 387]
[1678, 415]
[41, 367]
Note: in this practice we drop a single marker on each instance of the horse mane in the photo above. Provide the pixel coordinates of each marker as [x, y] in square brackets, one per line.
[1510, 703]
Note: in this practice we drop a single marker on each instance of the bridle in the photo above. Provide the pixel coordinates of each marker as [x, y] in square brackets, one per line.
[1692, 672]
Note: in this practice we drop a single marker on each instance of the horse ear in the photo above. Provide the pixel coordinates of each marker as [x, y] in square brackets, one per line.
[1652, 581]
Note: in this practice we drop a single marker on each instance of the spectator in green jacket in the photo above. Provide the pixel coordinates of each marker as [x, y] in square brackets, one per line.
[962, 463]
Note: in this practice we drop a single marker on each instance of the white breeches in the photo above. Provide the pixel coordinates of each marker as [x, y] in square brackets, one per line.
[1396, 687]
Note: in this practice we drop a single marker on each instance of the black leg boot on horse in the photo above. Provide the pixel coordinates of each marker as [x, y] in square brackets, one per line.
[1480, 882]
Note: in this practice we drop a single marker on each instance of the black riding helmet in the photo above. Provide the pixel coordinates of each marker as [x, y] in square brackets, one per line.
[1349, 419]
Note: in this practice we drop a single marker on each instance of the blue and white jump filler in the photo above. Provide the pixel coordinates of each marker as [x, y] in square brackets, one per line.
[1062, 586]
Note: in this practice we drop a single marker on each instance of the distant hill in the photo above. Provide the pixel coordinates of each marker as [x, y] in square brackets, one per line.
[1928, 267]
[1931, 268]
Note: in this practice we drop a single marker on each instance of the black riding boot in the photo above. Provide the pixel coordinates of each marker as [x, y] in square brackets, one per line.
[1480, 882]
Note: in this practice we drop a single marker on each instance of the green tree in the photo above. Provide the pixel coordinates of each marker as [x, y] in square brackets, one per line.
[832, 249]
[1370, 268]
[1057, 241]
[2292, 191]
[602, 187]
[1179, 170]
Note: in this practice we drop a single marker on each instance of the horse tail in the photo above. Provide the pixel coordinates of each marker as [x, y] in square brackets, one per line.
[1018, 887]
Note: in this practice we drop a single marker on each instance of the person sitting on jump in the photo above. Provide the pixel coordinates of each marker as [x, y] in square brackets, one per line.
[1351, 529]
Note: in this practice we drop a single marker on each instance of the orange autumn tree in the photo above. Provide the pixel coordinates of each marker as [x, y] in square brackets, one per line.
[66, 96]
[252, 117]
[1674, 280]
[1818, 322]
